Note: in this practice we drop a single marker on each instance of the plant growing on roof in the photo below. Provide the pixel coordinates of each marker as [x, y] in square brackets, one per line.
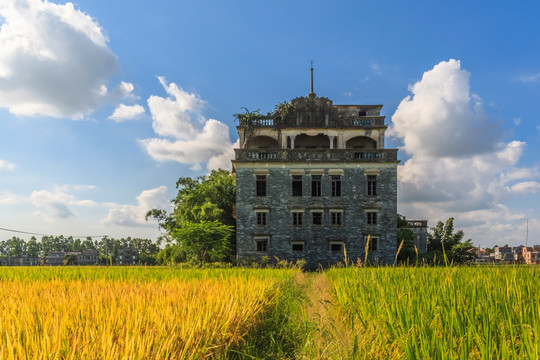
[283, 113]
[248, 118]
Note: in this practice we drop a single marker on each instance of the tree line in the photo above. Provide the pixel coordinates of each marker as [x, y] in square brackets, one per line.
[106, 247]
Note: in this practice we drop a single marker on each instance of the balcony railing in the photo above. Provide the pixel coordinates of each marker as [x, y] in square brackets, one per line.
[265, 122]
[333, 122]
[271, 155]
[364, 121]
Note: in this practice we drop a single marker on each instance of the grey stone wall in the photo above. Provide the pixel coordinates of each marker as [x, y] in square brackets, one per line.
[420, 238]
[353, 201]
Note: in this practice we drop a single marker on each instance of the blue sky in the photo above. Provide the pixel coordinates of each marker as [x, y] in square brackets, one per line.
[103, 105]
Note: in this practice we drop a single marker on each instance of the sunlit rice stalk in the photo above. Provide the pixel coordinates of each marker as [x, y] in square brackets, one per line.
[367, 248]
[398, 250]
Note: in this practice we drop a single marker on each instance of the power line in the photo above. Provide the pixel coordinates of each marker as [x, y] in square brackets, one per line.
[33, 233]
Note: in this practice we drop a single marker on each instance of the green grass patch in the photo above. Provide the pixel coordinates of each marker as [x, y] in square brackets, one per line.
[282, 329]
[442, 313]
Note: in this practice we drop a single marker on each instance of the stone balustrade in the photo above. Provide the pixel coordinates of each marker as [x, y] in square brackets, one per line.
[360, 155]
[340, 122]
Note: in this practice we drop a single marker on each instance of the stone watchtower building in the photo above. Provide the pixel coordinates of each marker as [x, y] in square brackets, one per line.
[313, 181]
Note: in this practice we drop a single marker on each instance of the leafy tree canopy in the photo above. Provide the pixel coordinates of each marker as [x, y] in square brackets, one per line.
[443, 241]
[206, 241]
[205, 198]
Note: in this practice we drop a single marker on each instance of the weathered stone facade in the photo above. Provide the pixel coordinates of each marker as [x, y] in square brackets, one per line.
[420, 231]
[316, 185]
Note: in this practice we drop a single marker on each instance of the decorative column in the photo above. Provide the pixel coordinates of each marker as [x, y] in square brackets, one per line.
[331, 141]
[340, 142]
[283, 141]
[292, 141]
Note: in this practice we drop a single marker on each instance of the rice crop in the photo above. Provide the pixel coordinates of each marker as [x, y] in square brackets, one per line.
[131, 313]
[441, 313]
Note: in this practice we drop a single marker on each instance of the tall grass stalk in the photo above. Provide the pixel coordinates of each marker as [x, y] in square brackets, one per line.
[398, 250]
[367, 248]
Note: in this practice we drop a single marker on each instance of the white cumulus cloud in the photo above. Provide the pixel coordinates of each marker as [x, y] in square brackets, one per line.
[54, 59]
[126, 112]
[4, 165]
[133, 215]
[10, 199]
[442, 118]
[57, 203]
[526, 187]
[458, 165]
[185, 136]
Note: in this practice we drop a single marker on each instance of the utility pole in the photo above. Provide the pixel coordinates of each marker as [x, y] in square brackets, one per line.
[527, 235]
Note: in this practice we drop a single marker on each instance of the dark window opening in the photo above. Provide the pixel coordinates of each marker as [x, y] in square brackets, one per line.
[297, 185]
[261, 219]
[297, 218]
[336, 218]
[336, 185]
[362, 113]
[262, 245]
[316, 185]
[372, 246]
[372, 185]
[371, 218]
[298, 247]
[317, 218]
[261, 185]
[336, 247]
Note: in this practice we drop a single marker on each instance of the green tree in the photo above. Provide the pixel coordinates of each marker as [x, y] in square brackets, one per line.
[463, 252]
[405, 240]
[171, 254]
[33, 247]
[16, 246]
[206, 241]
[88, 244]
[69, 260]
[443, 241]
[146, 259]
[205, 199]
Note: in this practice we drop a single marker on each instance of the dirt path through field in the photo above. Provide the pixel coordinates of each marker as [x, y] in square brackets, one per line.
[329, 338]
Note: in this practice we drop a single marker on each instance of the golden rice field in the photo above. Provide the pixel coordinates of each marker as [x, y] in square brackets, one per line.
[130, 313]
[342, 313]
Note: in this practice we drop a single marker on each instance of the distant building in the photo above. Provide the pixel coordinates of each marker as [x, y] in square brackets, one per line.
[504, 254]
[27, 260]
[54, 258]
[531, 254]
[88, 257]
[127, 256]
[85, 257]
[484, 256]
[420, 230]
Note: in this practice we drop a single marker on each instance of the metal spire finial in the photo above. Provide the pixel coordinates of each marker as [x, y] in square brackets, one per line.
[311, 92]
